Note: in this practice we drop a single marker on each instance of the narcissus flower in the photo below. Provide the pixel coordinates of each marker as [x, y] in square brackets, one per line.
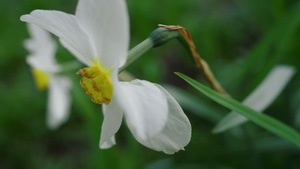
[98, 35]
[45, 70]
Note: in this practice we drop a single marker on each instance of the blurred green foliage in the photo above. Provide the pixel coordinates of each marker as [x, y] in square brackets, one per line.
[241, 40]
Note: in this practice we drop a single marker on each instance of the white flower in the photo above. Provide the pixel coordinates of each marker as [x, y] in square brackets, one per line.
[263, 95]
[44, 67]
[98, 35]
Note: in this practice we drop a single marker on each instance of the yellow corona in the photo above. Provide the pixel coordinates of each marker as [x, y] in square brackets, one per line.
[97, 83]
[41, 79]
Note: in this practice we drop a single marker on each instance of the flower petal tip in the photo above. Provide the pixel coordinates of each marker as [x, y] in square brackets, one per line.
[107, 143]
[24, 17]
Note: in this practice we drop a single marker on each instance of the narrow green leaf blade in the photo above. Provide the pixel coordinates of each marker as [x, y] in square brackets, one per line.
[260, 119]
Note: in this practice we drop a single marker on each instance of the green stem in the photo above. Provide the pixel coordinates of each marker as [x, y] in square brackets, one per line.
[137, 51]
[157, 38]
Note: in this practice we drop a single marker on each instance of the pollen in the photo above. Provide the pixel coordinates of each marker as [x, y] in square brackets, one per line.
[97, 83]
[41, 79]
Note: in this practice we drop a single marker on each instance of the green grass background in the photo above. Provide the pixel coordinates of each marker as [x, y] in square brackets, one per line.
[240, 39]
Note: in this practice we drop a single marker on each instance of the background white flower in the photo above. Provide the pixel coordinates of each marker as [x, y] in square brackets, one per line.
[261, 97]
[98, 35]
[42, 50]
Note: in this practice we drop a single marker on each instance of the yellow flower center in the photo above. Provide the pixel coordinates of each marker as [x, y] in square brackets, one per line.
[97, 83]
[41, 79]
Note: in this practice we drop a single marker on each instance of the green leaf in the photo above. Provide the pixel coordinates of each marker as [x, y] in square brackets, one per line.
[260, 119]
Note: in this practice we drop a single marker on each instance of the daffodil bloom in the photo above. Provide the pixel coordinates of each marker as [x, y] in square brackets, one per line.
[98, 35]
[45, 71]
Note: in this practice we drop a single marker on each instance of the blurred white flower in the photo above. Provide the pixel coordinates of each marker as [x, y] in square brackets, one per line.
[262, 96]
[98, 35]
[42, 50]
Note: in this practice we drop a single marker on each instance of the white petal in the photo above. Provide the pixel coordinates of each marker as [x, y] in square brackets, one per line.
[261, 97]
[40, 42]
[107, 24]
[42, 49]
[66, 28]
[38, 63]
[59, 102]
[177, 132]
[108, 143]
[112, 121]
[74, 51]
[145, 107]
